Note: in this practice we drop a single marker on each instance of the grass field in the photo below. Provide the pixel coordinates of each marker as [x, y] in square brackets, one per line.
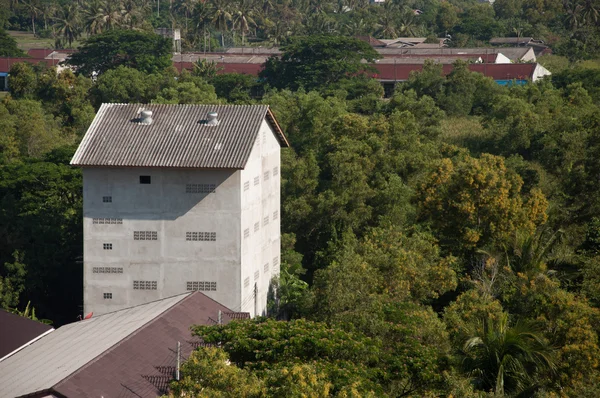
[26, 40]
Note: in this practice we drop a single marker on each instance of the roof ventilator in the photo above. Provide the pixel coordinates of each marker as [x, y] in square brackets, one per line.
[212, 120]
[146, 116]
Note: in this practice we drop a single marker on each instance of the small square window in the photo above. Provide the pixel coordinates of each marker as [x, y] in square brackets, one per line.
[275, 214]
[107, 246]
[266, 220]
[246, 232]
[256, 226]
[246, 282]
[145, 180]
[266, 175]
[107, 199]
[256, 180]
[275, 171]
[246, 185]
[275, 261]
[256, 275]
[107, 296]
[266, 268]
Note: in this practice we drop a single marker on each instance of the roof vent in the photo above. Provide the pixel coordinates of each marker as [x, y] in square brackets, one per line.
[146, 116]
[211, 119]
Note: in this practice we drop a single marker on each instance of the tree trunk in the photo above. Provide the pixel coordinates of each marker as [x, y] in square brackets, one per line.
[33, 23]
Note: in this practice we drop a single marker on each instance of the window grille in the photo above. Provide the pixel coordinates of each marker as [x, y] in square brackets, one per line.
[266, 220]
[275, 215]
[107, 270]
[145, 235]
[107, 246]
[246, 232]
[256, 180]
[275, 261]
[145, 180]
[256, 275]
[144, 285]
[266, 268]
[107, 296]
[247, 282]
[107, 199]
[202, 286]
[106, 221]
[200, 188]
[266, 175]
[246, 185]
[201, 236]
[256, 226]
[275, 171]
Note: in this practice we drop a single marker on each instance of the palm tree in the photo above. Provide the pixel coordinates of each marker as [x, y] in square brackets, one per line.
[187, 7]
[220, 17]
[505, 359]
[69, 23]
[47, 10]
[32, 7]
[386, 25]
[242, 17]
[94, 17]
[131, 13]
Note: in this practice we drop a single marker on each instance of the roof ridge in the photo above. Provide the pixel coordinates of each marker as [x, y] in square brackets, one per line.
[135, 306]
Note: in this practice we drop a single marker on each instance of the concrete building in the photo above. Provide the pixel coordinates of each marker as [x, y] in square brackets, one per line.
[180, 198]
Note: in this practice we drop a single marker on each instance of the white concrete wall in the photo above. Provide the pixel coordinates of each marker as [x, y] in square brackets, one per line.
[502, 59]
[540, 72]
[261, 249]
[165, 207]
[171, 260]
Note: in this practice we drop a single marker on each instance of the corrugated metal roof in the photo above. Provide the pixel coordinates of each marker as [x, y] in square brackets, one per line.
[177, 137]
[51, 359]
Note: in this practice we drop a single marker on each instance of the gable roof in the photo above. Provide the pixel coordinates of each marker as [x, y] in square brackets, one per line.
[16, 331]
[177, 137]
[122, 353]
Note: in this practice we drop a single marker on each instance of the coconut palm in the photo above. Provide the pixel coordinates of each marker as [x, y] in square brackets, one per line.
[386, 25]
[507, 359]
[93, 17]
[187, 7]
[68, 23]
[221, 16]
[242, 17]
[33, 9]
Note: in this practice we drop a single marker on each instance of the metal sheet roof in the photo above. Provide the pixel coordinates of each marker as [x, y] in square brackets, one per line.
[46, 362]
[177, 137]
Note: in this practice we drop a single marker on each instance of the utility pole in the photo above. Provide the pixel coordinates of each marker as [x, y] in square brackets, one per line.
[255, 299]
[178, 360]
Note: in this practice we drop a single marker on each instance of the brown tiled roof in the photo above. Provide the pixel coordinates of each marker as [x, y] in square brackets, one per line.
[139, 362]
[177, 137]
[401, 72]
[16, 331]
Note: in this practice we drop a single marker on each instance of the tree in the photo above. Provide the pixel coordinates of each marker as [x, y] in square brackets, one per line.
[68, 23]
[318, 61]
[146, 52]
[8, 46]
[507, 359]
[473, 202]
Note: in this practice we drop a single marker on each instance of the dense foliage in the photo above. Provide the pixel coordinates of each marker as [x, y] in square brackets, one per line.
[445, 241]
[570, 27]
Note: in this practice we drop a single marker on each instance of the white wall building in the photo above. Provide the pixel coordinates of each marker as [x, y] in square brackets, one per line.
[184, 197]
